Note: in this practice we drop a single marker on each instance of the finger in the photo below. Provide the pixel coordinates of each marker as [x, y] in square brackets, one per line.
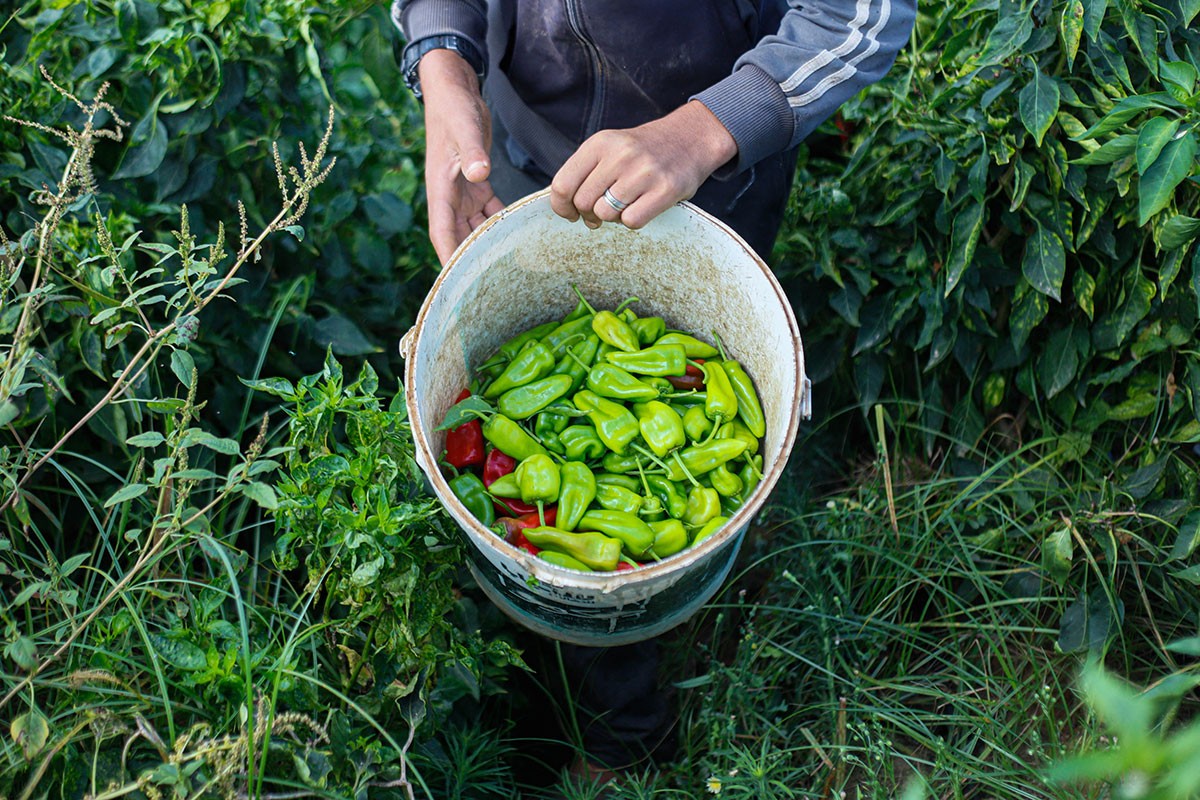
[476, 220]
[567, 181]
[646, 207]
[475, 165]
[442, 231]
[623, 194]
[493, 205]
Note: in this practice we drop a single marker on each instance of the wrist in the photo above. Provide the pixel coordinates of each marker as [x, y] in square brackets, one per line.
[712, 140]
[435, 50]
[442, 70]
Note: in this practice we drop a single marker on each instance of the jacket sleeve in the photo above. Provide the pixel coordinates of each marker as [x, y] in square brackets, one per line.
[824, 52]
[420, 19]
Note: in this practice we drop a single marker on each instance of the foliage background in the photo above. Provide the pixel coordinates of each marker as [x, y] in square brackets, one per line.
[994, 256]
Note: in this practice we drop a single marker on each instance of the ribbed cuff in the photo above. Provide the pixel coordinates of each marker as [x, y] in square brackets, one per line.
[420, 20]
[755, 111]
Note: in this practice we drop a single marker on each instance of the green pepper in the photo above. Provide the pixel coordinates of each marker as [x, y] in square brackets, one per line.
[577, 360]
[609, 380]
[563, 560]
[725, 482]
[669, 538]
[634, 534]
[614, 422]
[703, 457]
[597, 551]
[618, 498]
[506, 486]
[576, 494]
[469, 489]
[534, 362]
[659, 360]
[525, 401]
[509, 350]
[738, 430]
[540, 481]
[568, 331]
[613, 479]
[668, 493]
[695, 424]
[616, 331]
[751, 475]
[703, 504]
[691, 345]
[708, 529]
[721, 404]
[551, 421]
[661, 426]
[581, 443]
[621, 464]
[749, 409]
[510, 438]
[582, 309]
[648, 329]
[661, 384]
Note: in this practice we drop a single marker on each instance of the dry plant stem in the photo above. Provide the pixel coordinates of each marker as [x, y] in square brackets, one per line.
[887, 473]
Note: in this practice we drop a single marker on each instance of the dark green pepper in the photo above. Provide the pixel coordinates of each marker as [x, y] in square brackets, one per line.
[551, 421]
[661, 426]
[634, 534]
[701, 458]
[597, 551]
[618, 498]
[695, 424]
[577, 360]
[469, 489]
[725, 482]
[567, 332]
[540, 481]
[525, 401]
[749, 408]
[613, 479]
[563, 560]
[648, 329]
[609, 380]
[535, 361]
[668, 493]
[616, 331]
[621, 464]
[721, 403]
[669, 538]
[703, 504]
[660, 360]
[581, 443]
[616, 424]
[510, 438]
[708, 529]
[751, 475]
[509, 350]
[582, 309]
[575, 495]
[691, 345]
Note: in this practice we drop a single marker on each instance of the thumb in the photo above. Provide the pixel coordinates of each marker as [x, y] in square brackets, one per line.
[476, 166]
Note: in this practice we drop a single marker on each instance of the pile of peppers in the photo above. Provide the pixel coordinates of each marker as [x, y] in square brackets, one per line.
[604, 441]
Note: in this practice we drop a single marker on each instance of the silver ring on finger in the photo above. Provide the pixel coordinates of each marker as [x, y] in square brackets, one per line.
[616, 204]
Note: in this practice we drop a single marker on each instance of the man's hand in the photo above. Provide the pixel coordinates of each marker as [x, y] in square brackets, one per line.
[458, 134]
[648, 168]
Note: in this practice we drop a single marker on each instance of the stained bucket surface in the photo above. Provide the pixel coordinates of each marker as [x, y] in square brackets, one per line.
[516, 271]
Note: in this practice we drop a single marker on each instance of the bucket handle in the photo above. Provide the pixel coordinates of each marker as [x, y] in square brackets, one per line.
[407, 341]
[806, 399]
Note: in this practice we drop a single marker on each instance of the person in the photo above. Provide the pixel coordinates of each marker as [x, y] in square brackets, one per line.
[624, 109]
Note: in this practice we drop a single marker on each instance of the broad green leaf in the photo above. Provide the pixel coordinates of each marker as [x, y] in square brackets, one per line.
[1038, 104]
[148, 147]
[1070, 27]
[1139, 406]
[338, 332]
[1045, 262]
[1083, 287]
[1191, 574]
[1152, 137]
[1057, 549]
[1187, 647]
[1058, 363]
[1093, 15]
[1178, 231]
[125, 493]
[1189, 9]
[1179, 74]
[1188, 537]
[1118, 705]
[963, 238]
[23, 652]
[179, 653]
[1122, 112]
[262, 494]
[1029, 310]
[1089, 622]
[279, 387]
[147, 439]
[1012, 31]
[182, 365]
[196, 436]
[30, 732]
[1174, 163]
[465, 411]
[1114, 327]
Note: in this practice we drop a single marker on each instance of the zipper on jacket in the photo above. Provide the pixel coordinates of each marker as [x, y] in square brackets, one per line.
[575, 20]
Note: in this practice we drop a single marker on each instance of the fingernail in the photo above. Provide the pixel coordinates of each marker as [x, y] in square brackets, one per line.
[475, 167]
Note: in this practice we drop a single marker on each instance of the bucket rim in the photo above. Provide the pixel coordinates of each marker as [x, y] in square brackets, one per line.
[604, 582]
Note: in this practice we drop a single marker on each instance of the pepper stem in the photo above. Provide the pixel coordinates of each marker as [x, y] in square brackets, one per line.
[754, 468]
[712, 434]
[648, 455]
[696, 364]
[686, 472]
[583, 299]
[627, 560]
[720, 347]
[569, 340]
[626, 302]
[577, 359]
[541, 514]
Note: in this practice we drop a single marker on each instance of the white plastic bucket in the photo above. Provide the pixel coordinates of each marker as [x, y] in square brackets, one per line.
[516, 271]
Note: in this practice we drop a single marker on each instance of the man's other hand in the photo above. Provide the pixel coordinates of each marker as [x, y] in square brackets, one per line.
[648, 168]
[458, 134]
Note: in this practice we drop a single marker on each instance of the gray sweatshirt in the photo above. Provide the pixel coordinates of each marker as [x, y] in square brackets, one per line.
[771, 72]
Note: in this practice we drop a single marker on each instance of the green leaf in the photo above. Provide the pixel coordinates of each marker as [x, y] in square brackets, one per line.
[1173, 164]
[1188, 538]
[1088, 623]
[1118, 705]
[1122, 112]
[1187, 647]
[1112, 150]
[1057, 549]
[125, 493]
[182, 365]
[465, 411]
[1189, 9]
[1070, 27]
[1038, 105]
[1152, 137]
[148, 147]
[338, 332]
[1029, 310]
[179, 653]
[196, 436]
[1045, 262]
[1012, 31]
[963, 239]
[262, 494]
[30, 732]
[1191, 575]
[1178, 231]
[1058, 363]
[296, 230]
[1083, 287]
[1179, 74]
[279, 387]
[1114, 328]
[147, 439]
[1093, 15]
[23, 651]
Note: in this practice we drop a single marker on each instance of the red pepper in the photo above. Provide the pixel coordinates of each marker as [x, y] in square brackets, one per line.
[693, 378]
[497, 465]
[514, 525]
[464, 444]
[624, 566]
